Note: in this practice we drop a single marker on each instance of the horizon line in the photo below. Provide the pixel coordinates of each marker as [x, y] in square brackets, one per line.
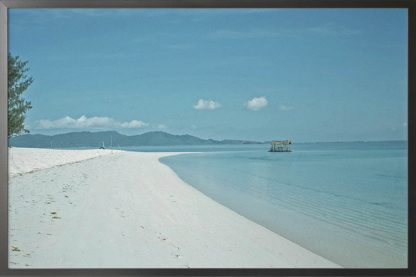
[248, 140]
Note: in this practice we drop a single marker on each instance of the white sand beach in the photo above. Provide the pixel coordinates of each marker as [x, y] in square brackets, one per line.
[116, 209]
[25, 160]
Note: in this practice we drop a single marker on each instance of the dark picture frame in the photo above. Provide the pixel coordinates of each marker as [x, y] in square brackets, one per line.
[391, 4]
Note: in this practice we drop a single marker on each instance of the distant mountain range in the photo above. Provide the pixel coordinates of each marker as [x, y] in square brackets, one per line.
[96, 139]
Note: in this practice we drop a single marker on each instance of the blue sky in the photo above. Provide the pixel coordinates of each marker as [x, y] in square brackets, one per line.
[258, 74]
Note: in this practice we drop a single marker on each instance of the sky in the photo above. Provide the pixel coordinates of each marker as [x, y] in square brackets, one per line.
[256, 74]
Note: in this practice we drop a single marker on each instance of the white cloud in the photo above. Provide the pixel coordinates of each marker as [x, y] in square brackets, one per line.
[206, 105]
[84, 122]
[257, 103]
[161, 126]
[134, 124]
[285, 108]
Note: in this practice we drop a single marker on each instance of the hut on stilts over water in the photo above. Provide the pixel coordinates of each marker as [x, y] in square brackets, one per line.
[280, 146]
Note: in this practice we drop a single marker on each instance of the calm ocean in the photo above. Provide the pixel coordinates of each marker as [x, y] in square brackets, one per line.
[344, 201]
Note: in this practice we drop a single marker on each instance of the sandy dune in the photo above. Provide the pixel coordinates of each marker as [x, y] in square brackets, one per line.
[129, 210]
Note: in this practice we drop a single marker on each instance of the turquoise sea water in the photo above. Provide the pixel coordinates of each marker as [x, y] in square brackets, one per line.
[344, 201]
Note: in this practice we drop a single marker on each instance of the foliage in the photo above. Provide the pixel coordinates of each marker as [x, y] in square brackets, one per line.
[18, 82]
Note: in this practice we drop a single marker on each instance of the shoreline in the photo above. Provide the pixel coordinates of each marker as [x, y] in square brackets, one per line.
[157, 220]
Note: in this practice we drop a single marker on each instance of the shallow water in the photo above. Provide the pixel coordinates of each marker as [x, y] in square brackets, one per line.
[344, 201]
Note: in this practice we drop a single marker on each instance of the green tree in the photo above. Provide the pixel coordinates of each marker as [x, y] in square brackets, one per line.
[18, 82]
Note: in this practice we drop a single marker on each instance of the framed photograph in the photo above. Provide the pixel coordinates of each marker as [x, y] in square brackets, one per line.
[207, 137]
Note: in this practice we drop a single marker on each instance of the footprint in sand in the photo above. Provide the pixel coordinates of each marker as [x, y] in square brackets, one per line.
[162, 237]
[121, 212]
[55, 216]
[16, 249]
